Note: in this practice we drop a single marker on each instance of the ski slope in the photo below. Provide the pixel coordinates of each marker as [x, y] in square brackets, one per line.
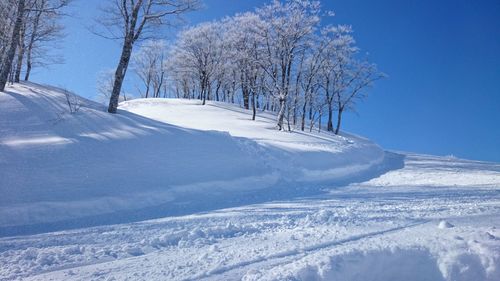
[60, 170]
[172, 190]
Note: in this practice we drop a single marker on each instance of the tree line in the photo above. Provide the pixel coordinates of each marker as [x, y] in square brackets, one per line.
[279, 58]
[29, 30]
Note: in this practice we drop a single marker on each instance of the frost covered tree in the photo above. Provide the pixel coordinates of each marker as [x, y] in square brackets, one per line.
[149, 65]
[7, 18]
[339, 50]
[288, 27]
[198, 53]
[104, 86]
[244, 43]
[309, 79]
[278, 58]
[130, 21]
[11, 46]
[42, 34]
[350, 88]
[20, 16]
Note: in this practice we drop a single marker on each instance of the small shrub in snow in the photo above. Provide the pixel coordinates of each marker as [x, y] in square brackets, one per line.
[72, 101]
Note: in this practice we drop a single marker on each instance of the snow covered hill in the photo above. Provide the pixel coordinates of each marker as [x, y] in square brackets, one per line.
[228, 199]
[60, 170]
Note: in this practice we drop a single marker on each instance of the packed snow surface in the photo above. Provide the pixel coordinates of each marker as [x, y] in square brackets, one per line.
[228, 199]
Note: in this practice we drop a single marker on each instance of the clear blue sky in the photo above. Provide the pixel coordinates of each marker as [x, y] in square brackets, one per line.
[442, 57]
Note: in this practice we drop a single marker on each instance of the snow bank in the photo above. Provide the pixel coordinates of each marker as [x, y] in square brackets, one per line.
[413, 264]
[60, 170]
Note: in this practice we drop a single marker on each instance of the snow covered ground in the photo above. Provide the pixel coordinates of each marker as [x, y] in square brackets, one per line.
[258, 205]
[60, 170]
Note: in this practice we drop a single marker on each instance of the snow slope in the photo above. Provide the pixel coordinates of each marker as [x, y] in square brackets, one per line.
[299, 156]
[232, 199]
[60, 170]
[377, 230]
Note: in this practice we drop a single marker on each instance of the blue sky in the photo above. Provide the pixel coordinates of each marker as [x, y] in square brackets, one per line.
[442, 57]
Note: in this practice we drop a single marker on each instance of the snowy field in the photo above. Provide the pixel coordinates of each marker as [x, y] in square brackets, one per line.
[186, 192]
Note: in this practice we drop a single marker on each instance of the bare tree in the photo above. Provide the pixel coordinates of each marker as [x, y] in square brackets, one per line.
[149, 65]
[21, 48]
[7, 18]
[358, 75]
[43, 33]
[14, 39]
[129, 21]
[243, 43]
[104, 86]
[73, 101]
[339, 50]
[197, 53]
[309, 81]
[288, 26]
[260, 58]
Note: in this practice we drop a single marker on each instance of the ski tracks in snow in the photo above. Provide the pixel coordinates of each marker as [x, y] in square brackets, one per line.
[290, 255]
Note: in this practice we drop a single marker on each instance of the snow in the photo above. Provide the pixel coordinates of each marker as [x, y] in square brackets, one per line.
[125, 167]
[445, 224]
[301, 156]
[258, 205]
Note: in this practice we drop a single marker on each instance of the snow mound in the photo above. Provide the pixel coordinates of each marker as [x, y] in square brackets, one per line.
[444, 225]
[60, 170]
[300, 156]
[413, 264]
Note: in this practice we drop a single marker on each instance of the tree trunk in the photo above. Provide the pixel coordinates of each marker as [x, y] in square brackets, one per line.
[246, 97]
[319, 121]
[29, 50]
[339, 120]
[14, 39]
[147, 89]
[204, 91]
[288, 119]
[209, 89]
[295, 104]
[120, 74]
[217, 89]
[254, 110]
[281, 113]
[303, 120]
[159, 86]
[20, 54]
[28, 68]
[330, 118]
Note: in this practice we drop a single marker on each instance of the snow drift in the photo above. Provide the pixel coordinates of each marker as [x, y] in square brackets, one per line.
[60, 170]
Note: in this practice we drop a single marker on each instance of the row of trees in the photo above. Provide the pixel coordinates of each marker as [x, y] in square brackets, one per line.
[28, 31]
[278, 58]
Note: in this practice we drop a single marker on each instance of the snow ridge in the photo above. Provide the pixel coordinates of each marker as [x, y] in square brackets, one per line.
[151, 158]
